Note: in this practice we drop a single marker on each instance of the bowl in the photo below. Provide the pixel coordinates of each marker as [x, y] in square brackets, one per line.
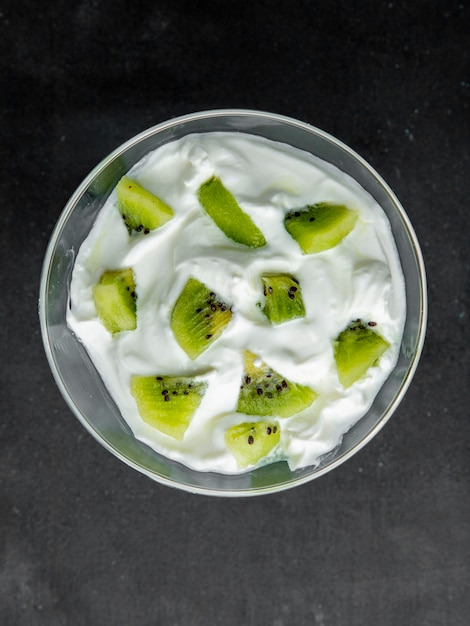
[80, 383]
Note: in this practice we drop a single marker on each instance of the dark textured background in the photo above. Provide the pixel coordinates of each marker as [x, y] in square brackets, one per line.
[384, 539]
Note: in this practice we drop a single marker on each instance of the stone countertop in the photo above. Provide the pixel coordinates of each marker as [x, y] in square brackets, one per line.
[382, 540]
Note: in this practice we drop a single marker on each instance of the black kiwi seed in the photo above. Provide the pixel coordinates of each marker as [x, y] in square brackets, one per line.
[251, 440]
[274, 429]
[139, 228]
[265, 293]
[208, 336]
[175, 393]
[259, 391]
[132, 294]
[167, 398]
[268, 430]
[297, 214]
[372, 324]
[284, 384]
[270, 290]
[291, 295]
[293, 289]
[213, 307]
[223, 307]
[278, 387]
[146, 231]
[270, 395]
[198, 310]
[312, 219]
[248, 380]
[165, 392]
[185, 392]
[212, 294]
[159, 378]
[268, 375]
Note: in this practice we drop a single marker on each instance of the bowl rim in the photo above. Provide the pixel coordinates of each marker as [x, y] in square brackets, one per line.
[192, 117]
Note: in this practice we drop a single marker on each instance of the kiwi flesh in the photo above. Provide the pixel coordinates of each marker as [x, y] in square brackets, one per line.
[115, 300]
[356, 349]
[199, 318]
[225, 211]
[140, 209]
[264, 392]
[282, 298]
[167, 403]
[321, 226]
[252, 441]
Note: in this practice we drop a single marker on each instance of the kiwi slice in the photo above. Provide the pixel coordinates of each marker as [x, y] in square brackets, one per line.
[356, 349]
[115, 300]
[283, 298]
[321, 226]
[199, 318]
[265, 392]
[167, 402]
[140, 209]
[251, 441]
[223, 208]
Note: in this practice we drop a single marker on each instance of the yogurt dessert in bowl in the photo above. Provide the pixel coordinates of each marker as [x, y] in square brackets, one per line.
[233, 302]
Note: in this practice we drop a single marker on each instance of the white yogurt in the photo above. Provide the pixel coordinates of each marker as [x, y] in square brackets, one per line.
[359, 278]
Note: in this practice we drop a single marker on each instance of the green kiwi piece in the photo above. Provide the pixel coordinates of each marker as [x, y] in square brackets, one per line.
[264, 392]
[115, 300]
[282, 298]
[167, 402]
[140, 209]
[198, 318]
[223, 208]
[251, 441]
[321, 226]
[356, 349]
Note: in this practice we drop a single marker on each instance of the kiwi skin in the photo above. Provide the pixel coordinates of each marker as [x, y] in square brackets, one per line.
[356, 349]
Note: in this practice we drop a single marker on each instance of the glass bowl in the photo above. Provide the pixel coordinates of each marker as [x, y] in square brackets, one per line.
[76, 376]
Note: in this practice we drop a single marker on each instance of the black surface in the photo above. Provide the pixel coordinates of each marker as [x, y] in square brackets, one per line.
[384, 539]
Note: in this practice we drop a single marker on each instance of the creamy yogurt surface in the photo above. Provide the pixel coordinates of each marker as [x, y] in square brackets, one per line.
[359, 278]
